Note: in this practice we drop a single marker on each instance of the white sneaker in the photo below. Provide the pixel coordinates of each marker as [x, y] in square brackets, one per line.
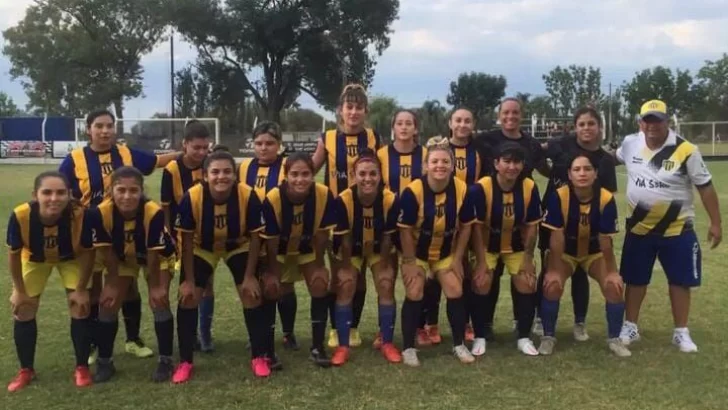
[478, 348]
[681, 339]
[463, 354]
[537, 327]
[409, 357]
[618, 348]
[526, 346]
[580, 334]
[629, 333]
[547, 345]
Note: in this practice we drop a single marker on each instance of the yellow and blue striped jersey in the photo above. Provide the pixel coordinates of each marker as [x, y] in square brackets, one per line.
[398, 169]
[342, 151]
[367, 225]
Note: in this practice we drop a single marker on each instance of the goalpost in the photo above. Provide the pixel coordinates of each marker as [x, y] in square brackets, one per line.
[159, 135]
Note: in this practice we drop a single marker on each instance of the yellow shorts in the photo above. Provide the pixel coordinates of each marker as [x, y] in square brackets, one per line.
[291, 272]
[36, 274]
[213, 258]
[584, 262]
[432, 267]
[512, 261]
[132, 270]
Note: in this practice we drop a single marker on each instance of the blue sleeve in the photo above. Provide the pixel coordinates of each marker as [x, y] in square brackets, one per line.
[67, 168]
[608, 223]
[14, 237]
[328, 219]
[533, 213]
[554, 218]
[254, 220]
[342, 216]
[94, 224]
[270, 220]
[186, 220]
[155, 236]
[391, 222]
[408, 209]
[167, 196]
[144, 161]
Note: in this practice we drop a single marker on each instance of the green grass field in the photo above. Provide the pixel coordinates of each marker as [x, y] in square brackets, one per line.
[582, 375]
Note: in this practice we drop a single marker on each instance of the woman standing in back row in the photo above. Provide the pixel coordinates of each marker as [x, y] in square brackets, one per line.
[509, 116]
[339, 149]
[89, 170]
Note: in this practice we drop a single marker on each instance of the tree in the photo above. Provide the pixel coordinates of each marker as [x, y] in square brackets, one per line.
[282, 48]
[573, 87]
[301, 120]
[713, 88]
[381, 111]
[432, 120]
[7, 106]
[541, 106]
[676, 89]
[479, 92]
[77, 55]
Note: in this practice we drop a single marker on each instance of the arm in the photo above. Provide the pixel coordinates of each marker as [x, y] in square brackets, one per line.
[709, 197]
[153, 266]
[529, 233]
[15, 266]
[407, 240]
[253, 252]
[703, 181]
[319, 156]
[188, 256]
[478, 245]
[167, 216]
[462, 241]
[272, 249]
[164, 159]
[319, 242]
[386, 248]
[607, 248]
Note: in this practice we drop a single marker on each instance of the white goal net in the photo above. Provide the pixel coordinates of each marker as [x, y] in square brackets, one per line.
[159, 135]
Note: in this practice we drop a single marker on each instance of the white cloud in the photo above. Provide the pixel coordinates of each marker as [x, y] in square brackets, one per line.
[12, 11]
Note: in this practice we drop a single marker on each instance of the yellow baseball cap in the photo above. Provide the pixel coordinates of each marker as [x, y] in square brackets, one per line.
[655, 108]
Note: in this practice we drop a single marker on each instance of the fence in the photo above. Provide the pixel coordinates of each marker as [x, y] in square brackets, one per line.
[710, 136]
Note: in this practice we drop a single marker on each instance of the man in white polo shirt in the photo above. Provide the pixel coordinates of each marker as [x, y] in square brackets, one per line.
[662, 169]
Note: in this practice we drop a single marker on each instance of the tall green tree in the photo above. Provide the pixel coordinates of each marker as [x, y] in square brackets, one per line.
[541, 106]
[713, 88]
[479, 92]
[432, 118]
[675, 88]
[572, 87]
[282, 48]
[381, 111]
[75, 55]
[301, 120]
[7, 106]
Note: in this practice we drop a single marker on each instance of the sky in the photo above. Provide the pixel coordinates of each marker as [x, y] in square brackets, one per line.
[435, 40]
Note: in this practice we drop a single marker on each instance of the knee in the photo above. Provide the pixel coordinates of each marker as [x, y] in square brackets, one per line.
[451, 286]
[249, 301]
[612, 288]
[524, 284]
[345, 287]
[553, 287]
[482, 288]
[271, 288]
[415, 291]
[385, 286]
[26, 312]
[318, 284]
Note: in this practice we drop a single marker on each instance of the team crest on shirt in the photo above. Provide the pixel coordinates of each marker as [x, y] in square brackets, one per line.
[508, 210]
[50, 241]
[668, 165]
[352, 150]
[298, 218]
[129, 236]
[405, 171]
[368, 222]
[107, 168]
[260, 181]
[220, 221]
[440, 210]
[461, 163]
[584, 219]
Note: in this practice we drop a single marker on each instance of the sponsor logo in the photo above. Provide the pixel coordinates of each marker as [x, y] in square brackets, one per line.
[650, 183]
[637, 160]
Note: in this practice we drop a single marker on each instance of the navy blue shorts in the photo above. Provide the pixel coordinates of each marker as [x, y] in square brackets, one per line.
[679, 256]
